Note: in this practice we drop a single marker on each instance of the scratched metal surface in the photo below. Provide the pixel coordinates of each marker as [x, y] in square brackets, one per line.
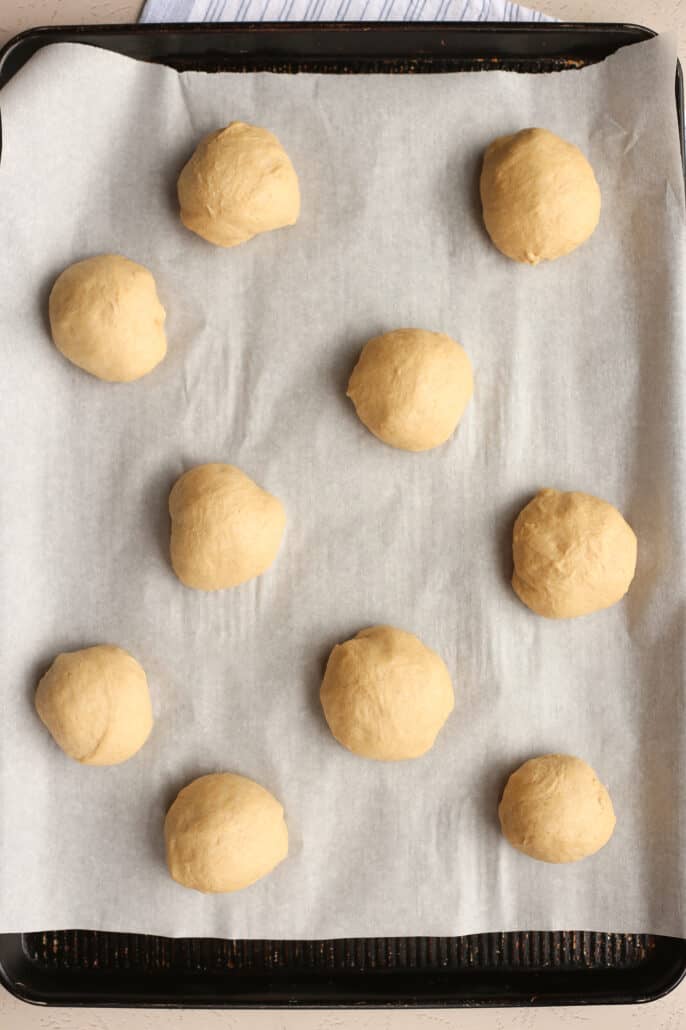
[87, 950]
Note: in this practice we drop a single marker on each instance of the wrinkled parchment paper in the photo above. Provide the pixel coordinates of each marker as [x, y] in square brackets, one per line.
[579, 369]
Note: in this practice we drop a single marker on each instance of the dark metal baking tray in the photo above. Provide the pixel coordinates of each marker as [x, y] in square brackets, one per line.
[79, 967]
[82, 967]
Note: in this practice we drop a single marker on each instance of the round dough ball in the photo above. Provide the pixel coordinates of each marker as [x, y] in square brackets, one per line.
[386, 695]
[573, 554]
[238, 183]
[539, 195]
[554, 808]
[224, 528]
[410, 388]
[106, 317]
[223, 832]
[96, 704]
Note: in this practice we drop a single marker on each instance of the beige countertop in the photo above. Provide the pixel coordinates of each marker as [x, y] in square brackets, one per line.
[667, 1014]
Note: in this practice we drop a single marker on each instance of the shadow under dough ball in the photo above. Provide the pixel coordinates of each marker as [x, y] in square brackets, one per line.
[225, 529]
[410, 388]
[223, 832]
[106, 317]
[539, 196]
[573, 554]
[386, 695]
[238, 183]
[554, 808]
[96, 704]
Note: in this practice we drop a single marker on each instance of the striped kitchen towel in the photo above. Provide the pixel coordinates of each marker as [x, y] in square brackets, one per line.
[337, 10]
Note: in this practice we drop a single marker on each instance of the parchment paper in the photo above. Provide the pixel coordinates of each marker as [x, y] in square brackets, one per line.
[579, 370]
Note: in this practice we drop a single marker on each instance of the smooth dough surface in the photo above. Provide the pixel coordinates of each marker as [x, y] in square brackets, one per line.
[238, 183]
[410, 387]
[106, 317]
[223, 832]
[539, 196]
[385, 694]
[573, 554]
[225, 529]
[554, 808]
[96, 704]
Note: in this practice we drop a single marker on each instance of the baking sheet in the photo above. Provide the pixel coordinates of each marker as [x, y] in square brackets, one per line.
[579, 374]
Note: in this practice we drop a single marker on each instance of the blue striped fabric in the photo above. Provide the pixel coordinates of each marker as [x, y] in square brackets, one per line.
[337, 10]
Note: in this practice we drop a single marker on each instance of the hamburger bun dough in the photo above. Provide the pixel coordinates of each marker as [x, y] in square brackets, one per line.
[554, 808]
[225, 529]
[96, 704]
[385, 694]
[539, 196]
[573, 554]
[223, 832]
[106, 317]
[410, 388]
[238, 183]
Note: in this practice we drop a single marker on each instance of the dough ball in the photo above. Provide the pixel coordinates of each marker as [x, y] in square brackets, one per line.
[573, 554]
[224, 832]
[238, 183]
[96, 704]
[539, 195]
[106, 317]
[410, 387]
[224, 528]
[555, 808]
[385, 694]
